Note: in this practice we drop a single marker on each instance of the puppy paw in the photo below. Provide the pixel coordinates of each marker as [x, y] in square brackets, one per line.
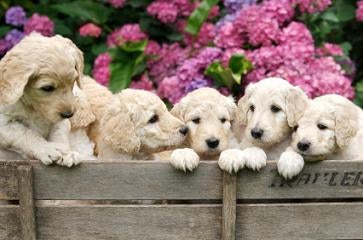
[69, 159]
[184, 159]
[231, 160]
[290, 164]
[255, 158]
[48, 155]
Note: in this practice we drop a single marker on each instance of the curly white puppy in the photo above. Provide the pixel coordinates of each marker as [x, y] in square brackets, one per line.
[135, 125]
[265, 117]
[208, 114]
[36, 82]
[331, 128]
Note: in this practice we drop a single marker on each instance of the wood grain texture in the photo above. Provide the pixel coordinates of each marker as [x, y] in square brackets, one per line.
[326, 179]
[155, 222]
[229, 207]
[26, 202]
[9, 223]
[8, 180]
[127, 180]
[300, 221]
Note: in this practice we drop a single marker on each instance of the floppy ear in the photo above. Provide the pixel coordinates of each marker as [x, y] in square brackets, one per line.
[179, 109]
[296, 102]
[83, 115]
[118, 129]
[15, 73]
[242, 106]
[346, 124]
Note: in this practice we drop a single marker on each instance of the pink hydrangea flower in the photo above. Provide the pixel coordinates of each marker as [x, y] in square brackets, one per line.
[165, 11]
[359, 12]
[40, 24]
[101, 68]
[281, 10]
[126, 33]
[204, 37]
[116, 3]
[152, 48]
[228, 36]
[170, 88]
[312, 6]
[329, 49]
[143, 83]
[90, 30]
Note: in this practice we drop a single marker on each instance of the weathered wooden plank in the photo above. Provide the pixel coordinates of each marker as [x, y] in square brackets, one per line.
[300, 221]
[229, 207]
[8, 180]
[127, 180]
[113, 222]
[9, 223]
[326, 179]
[26, 202]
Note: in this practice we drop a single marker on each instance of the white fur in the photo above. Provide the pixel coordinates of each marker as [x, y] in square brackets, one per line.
[184, 159]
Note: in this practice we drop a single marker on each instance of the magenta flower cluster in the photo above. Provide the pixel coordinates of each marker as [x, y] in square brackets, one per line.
[359, 12]
[266, 32]
[16, 16]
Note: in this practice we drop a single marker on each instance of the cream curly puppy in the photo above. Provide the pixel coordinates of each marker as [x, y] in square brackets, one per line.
[135, 124]
[36, 93]
[266, 116]
[331, 128]
[208, 115]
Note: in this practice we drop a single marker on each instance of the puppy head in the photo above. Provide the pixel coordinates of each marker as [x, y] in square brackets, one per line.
[41, 72]
[269, 109]
[208, 115]
[328, 125]
[138, 121]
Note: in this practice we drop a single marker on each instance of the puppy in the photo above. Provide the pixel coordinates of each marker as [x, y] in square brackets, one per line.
[208, 115]
[136, 124]
[36, 82]
[331, 128]
[266, 116]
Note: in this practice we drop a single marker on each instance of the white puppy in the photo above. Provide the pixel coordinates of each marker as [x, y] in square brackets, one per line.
[36, 82]
[208, 115]
[331, 128]
[265, 117]
[136, 124]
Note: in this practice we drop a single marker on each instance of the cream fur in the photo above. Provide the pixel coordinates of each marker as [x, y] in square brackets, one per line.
[126, 129]
[28, 114]
[255, 111]
[215, 113]
[342, 138]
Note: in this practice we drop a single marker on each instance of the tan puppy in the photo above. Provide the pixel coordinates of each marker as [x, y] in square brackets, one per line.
[36, 82]
[208, 115]
[331, 128]
[135, 124]
[266, 116]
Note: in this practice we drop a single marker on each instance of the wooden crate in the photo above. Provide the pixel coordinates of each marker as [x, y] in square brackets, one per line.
[324, 202]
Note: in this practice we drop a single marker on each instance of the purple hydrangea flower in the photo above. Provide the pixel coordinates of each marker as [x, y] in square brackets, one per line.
[198, 83]
[15, 16]
[235, 5]
[4, 46]
[14, 36]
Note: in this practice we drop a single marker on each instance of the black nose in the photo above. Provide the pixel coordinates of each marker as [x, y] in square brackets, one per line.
[257, 133]
[303, 145]
[67, 114]
[212, 142]
[184, 130]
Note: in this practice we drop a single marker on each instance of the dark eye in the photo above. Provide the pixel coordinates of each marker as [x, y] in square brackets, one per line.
[223, 120]
[196, 120]
[252, 108]
[48, 88]
[322, 126]
[153, 119]
[295, 128]
[275, 108]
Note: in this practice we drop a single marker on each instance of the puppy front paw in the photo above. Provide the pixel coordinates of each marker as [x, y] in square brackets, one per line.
[69, 159]
[255, 158]
[290, 164]
[231, 160]
[184, 159]
[48, 155]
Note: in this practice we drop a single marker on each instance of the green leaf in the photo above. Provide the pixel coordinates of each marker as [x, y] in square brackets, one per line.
[239, 66]
[86, 10]
[134, 46]
[346, 12]
[121, 74]
[347, 47]
[199, 15]
[98, 48]
[4, 30]
[330, 16]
